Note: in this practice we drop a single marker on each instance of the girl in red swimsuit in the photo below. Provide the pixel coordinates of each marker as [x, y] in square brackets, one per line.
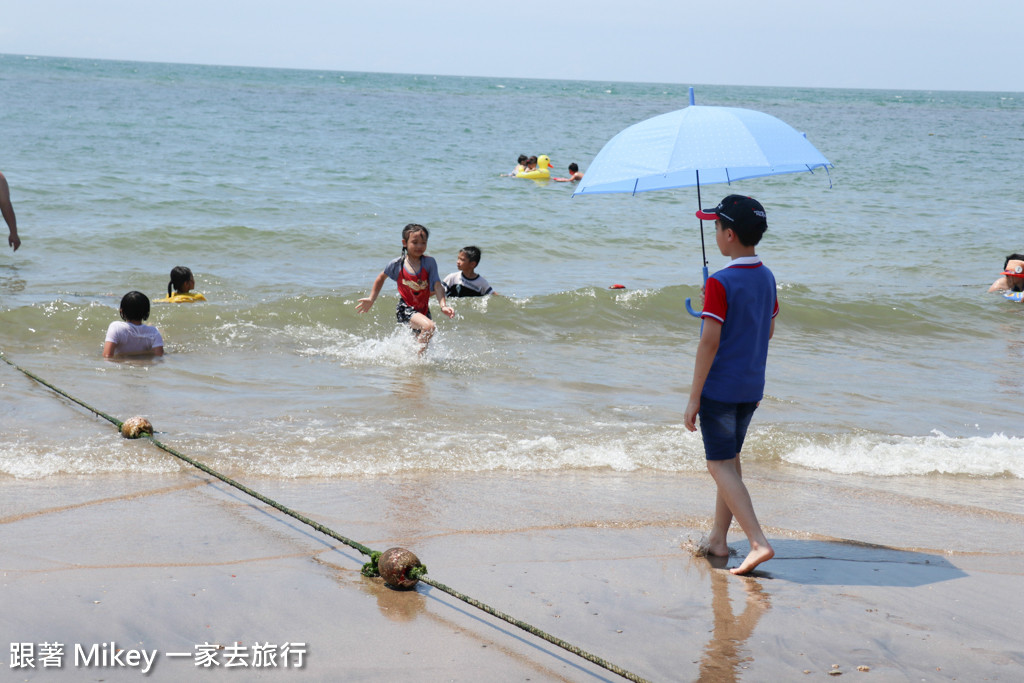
[417, 278]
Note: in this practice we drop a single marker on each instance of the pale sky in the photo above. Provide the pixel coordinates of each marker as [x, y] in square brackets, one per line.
[889, 44]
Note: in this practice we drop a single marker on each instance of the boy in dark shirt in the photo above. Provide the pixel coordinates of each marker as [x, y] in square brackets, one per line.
[740, 305]
[466, 281]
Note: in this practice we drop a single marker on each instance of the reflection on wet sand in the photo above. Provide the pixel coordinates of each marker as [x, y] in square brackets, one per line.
[406, 606]
[723, 656]
[394, 604]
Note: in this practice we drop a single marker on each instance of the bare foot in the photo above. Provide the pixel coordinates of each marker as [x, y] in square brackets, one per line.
[424, 342]
[718, 547]
[707, 547]
[756, 556]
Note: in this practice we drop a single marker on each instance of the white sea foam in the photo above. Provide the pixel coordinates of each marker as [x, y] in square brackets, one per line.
[27, 459]
[316, 448]
[937, 453]
[397, 349]
[632, 297]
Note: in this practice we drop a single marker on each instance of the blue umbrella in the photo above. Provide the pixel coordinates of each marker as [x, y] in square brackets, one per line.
[698, 145]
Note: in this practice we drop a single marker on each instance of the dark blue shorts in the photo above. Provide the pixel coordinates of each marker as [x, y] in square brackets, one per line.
[404, 312]
[723, 427]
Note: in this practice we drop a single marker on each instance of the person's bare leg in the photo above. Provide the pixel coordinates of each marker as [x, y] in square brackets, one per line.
[425, 326]
[718, 538]
[733, 492]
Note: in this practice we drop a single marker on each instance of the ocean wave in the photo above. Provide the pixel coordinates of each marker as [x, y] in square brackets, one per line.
[233, 319]
[878, 455]
[301, 448]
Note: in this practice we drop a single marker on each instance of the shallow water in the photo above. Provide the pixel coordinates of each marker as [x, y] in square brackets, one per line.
[286, 191]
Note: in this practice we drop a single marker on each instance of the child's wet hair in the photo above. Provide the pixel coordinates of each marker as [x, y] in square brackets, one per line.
[573, 167]
[523, 159]
[472, 254]
[134, 306]
[179, 276]
[408, 232]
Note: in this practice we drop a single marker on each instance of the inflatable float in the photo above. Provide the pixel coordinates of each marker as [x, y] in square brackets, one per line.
[181, 298]
[542, 172]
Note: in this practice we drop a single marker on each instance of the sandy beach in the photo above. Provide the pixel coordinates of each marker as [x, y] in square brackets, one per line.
[177, 565]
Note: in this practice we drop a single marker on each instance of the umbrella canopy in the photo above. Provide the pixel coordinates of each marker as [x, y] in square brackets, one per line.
[699, 145]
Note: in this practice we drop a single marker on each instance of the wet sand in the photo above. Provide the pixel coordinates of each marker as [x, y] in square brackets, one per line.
[603, 560]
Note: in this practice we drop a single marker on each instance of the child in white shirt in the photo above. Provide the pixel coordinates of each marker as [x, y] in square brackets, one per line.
[128, 336]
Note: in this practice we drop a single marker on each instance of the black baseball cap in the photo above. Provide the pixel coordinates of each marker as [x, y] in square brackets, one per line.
[743, 212]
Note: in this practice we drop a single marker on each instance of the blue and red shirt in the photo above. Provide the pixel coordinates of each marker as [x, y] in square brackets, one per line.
[414, 288]
[743, 298]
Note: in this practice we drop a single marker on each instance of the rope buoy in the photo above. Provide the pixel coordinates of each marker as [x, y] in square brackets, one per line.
[396, 566]
[134, 427]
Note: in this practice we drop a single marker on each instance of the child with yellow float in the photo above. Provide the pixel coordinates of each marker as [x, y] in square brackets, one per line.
[536, 168]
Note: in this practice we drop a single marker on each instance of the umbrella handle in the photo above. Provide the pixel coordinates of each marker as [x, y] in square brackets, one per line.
[689, 308]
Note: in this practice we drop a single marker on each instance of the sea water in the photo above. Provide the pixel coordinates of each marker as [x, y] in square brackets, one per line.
[286, 191]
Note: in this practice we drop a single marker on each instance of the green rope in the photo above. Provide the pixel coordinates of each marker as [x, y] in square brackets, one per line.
[370, 568]
[117, 423]
[269, 501]
[535, 631]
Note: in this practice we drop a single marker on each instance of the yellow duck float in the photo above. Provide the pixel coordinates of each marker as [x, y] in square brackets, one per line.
[542, 172]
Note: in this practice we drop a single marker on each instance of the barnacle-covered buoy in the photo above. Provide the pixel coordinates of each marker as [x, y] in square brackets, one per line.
[394, 565]
[134, 427]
